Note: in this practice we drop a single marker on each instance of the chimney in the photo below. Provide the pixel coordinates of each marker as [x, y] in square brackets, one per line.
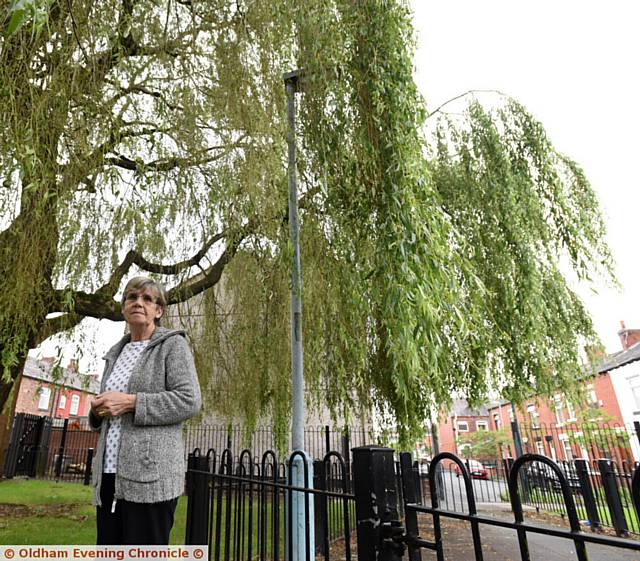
[628, 337]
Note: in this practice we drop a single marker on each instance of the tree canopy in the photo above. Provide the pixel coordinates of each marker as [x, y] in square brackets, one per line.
[144, 135]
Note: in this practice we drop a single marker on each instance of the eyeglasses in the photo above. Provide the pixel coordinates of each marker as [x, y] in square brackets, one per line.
[146, 298]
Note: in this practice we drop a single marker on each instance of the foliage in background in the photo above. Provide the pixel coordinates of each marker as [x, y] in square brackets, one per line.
[525, 212]
[600, 433]
[145, 136]
[484, 444]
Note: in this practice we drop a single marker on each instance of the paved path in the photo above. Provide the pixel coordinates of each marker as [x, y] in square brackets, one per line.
[503, 545]
[499, 544]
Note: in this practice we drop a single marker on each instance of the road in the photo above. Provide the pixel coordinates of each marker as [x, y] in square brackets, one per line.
[455, 497]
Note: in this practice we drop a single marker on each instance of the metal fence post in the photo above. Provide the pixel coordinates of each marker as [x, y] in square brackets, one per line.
[346, 454]
[327, 439]
[377, 519]
[197, 482]
[582, 470]
[63, 442]
[320, 508]
[87, 466]
[613, 497]
[409, 488]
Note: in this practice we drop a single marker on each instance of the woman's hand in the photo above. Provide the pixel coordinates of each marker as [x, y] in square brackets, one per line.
[112, 404]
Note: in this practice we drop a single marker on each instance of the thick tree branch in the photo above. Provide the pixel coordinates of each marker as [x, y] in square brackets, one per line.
[81, 167]
[57, 325]
[168, 164]
[102, 305]
[135, 258]
[210, 277]
[140, 89]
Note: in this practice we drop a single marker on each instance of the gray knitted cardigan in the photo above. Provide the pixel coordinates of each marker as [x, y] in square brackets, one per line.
[151, 463]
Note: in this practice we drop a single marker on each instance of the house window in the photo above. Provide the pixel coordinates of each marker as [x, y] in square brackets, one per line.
[45, 394]
[75, 404]
[592, 398]
[557, 400]
[463, 426]
[62, 403]
[566, 446]
[571, 411]
[540, 448]
[482, 425]
[533, 416]
[634, 383]
[496, 421]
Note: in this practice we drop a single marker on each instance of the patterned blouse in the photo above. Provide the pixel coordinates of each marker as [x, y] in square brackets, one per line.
[119, 381]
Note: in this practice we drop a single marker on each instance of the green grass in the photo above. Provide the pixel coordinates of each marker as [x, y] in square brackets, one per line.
[547, 500]
[605, 517]
[38, 492]
[47, 512]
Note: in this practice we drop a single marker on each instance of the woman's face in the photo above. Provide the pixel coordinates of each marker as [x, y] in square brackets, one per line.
[140, 308]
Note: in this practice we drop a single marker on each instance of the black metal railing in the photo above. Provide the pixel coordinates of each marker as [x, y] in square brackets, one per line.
[567, 441]
[241, 507]
[520, 474]
[602, 489]
[318, 440]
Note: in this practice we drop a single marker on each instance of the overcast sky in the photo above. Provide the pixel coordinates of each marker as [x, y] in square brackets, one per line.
[573, 64]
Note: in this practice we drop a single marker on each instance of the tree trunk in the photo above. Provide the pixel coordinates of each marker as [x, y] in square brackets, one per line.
[28, 250]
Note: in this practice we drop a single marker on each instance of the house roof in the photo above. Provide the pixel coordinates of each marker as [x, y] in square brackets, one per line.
[461, 409]
[41, 370]
[619, 359]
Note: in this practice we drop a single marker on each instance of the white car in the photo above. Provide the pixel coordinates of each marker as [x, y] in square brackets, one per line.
[476, 470]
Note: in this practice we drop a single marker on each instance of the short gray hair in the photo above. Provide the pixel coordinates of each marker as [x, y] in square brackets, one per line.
[143, 283]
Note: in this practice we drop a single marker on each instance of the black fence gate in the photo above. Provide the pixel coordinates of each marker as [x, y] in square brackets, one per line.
[29, 435]
[46, 448]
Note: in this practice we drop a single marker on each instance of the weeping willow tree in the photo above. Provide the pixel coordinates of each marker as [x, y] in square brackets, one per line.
[146, 136]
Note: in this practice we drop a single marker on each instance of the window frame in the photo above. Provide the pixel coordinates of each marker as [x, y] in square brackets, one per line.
[75, 404]
[42, 392]
[634, 384]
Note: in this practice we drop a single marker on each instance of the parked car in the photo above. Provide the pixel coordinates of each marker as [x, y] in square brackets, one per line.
[541, 476]
[476, 469]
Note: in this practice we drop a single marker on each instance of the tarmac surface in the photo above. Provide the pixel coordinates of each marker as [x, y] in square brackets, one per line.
[500, 544]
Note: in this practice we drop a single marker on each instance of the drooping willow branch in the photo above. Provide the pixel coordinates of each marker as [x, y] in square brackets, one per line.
[102, 305]
[460, 96]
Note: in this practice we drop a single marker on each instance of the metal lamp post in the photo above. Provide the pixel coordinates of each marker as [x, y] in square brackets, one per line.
[292, 84]
[301, 508]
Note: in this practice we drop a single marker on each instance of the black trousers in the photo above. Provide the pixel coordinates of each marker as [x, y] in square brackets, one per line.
[132, 523]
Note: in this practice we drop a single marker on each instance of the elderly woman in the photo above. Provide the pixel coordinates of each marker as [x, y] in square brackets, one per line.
[149, 387]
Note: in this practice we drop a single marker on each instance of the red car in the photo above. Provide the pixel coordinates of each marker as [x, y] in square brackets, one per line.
[476, 469]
